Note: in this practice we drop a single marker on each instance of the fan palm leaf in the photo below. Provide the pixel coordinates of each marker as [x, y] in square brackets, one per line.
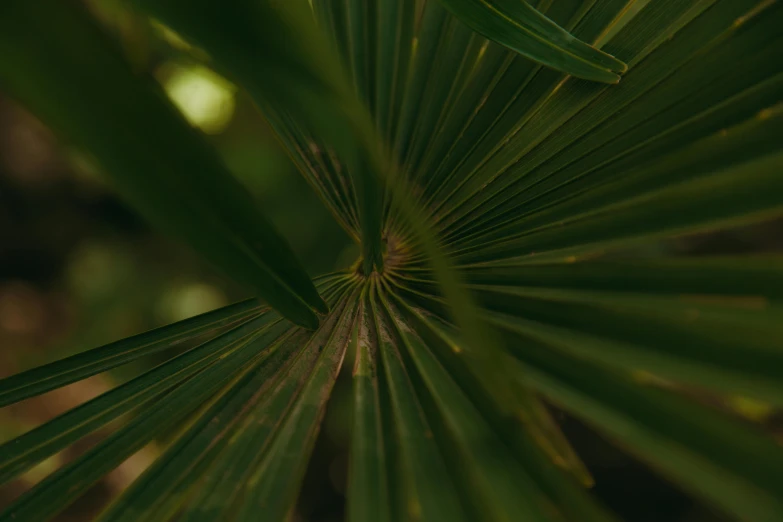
[507, 188]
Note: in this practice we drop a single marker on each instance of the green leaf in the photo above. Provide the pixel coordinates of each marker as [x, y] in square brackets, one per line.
[722, 343]
[715, 457]
[707, 453]
[277, 52]
[518, 26]
[272, 489]
[729, 197]
[216, 486]
[68, 73]
[559, 193]
[499, 487]
[568, 496]
[21, 453]
[234, 34]
[154, 387]
[394, 50]
[82, 365]
[526, 216]
[749, 280]
[62, 487]
[549, 114]
[428, 492]
[524, 407]
[368, 488]
[164, 486]
[219, 432]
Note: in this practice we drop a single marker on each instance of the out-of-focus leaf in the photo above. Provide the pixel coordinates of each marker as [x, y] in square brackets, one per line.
[59, 64]
[238, 34]
[277, 52]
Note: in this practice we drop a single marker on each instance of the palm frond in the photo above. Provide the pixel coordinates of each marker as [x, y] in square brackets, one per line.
[506, 212]
[59, 433]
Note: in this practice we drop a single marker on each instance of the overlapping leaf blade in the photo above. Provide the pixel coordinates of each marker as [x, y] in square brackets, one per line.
[64, 485]
[26, 450]
[569, 497]
[518, 26]
[221, 374]
[659, 426]
[217, 433]
[500, 487]
[277, 52]
[58, 63]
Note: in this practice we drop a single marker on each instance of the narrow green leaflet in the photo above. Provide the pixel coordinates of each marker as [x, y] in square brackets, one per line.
[725, 461]
[569, 497]
[733, 196]
[725, 343]
[164, 486]
[57, 62]
[498, 484]
[82, 365]
[710, 455]
[525, 407]
[557, 192]
[520, 27]
[428, 491]
[368, 488]
[551, 112]
[273, 488]
[63, 486]
[244, 440]
[753, 280]
[21, 453]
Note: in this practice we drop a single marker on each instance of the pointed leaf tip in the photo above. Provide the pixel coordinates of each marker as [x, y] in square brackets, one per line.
[321, 306]
[520, 27]
[149, 152]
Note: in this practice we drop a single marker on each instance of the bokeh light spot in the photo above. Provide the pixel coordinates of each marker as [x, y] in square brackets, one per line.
[205, 99]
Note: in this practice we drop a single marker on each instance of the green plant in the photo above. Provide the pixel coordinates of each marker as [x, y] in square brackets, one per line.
[502, 209]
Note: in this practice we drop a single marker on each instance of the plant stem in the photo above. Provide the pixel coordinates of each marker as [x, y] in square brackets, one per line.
[369, 173]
